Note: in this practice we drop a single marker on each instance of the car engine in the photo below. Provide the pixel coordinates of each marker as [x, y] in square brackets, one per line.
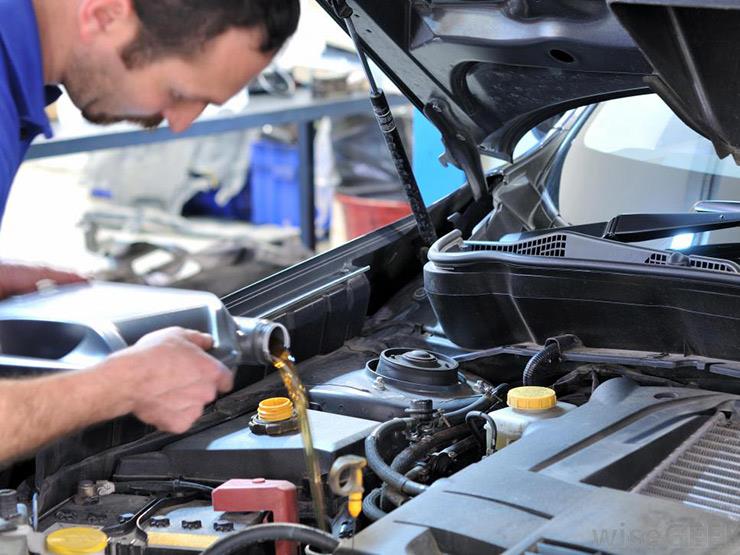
[627, 452]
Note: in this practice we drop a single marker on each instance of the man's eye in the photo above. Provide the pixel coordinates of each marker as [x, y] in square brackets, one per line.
[176, 96]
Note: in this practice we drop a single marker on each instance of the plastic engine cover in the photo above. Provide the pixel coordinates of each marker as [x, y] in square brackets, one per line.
[232, 450]
[568, 486]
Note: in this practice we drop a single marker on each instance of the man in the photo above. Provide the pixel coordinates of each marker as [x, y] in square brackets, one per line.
[144, 61]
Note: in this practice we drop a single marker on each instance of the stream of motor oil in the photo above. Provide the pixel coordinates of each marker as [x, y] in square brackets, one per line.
[297, 393]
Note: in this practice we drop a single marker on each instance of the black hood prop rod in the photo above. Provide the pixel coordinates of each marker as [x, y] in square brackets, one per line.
[390, 133]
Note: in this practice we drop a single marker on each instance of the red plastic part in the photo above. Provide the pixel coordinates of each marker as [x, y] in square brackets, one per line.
[258, 494]
[363, 215]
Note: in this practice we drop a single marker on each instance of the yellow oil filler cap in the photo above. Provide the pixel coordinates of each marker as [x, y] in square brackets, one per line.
[76, 541]
[275, 409]
[531, 397]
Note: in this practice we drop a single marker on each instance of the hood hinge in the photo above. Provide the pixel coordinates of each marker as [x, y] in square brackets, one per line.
[460, 148]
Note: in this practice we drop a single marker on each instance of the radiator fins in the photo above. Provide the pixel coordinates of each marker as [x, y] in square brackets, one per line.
[704, 472]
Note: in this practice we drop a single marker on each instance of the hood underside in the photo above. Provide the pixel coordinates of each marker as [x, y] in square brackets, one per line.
[485, 72]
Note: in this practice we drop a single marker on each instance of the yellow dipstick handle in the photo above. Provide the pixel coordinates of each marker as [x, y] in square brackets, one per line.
[345, 479]
[354, 501]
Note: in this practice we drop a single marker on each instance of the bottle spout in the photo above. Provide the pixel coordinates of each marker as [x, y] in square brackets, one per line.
[260, 340]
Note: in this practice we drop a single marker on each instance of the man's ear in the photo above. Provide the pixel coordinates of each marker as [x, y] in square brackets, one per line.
[105, 18]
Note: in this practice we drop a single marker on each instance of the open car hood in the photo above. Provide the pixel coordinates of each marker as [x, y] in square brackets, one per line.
[485, 72]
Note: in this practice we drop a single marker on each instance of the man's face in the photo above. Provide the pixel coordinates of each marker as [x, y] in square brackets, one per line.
[173, 88]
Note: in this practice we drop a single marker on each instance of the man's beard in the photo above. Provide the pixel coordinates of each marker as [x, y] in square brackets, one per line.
[88, 81]
[149, 122]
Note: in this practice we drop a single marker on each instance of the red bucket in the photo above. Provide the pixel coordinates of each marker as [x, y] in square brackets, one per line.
[363, 215]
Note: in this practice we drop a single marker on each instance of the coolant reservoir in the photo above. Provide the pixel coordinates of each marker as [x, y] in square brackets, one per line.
[527, 405]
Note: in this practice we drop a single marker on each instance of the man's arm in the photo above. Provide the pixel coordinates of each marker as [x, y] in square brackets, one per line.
[165, 379]
[18, 278]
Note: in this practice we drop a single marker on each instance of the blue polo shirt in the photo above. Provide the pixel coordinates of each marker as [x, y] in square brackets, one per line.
[23, 95]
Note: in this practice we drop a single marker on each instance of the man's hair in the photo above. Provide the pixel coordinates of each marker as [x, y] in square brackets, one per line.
[182, 27]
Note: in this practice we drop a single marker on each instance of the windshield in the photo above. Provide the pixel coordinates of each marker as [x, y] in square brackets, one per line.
[635, 155]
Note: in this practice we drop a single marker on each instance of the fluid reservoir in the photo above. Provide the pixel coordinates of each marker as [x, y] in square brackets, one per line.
[527, 405]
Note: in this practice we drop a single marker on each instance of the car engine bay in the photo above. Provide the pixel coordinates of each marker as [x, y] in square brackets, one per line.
[638, 454]
[512, 385]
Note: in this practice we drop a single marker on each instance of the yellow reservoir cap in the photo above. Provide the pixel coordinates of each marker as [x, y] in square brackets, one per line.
[275, 409]
[76, 541]
[531, 397]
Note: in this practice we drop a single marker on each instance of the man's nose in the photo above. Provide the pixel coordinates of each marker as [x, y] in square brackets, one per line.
[180, 117]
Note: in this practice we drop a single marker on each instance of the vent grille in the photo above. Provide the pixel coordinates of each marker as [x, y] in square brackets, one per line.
[704, 472]
[713, 266]
[552, 246]
[658, 259]
[550, 547]
[661, 259]
[581, 247]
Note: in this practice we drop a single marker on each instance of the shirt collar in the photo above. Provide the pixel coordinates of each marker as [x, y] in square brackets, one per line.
[19, 35]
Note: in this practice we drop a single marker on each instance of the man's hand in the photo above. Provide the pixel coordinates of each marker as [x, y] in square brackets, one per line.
[165, 379]
[168, 377]
[16, 279]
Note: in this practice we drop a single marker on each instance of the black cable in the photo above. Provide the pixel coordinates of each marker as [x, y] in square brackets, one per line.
[370, 506]
[477, 434]
[541, 358]
[271, 532]
[477, 415]
[554, 346]
[153, 508]
[160, 486]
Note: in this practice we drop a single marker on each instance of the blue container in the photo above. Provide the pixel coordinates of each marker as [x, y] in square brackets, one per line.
[274, 184]
[204, 203]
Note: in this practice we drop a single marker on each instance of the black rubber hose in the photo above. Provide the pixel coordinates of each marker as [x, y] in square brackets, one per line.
[482, 403]
[415, 472]
[271, 532]
[393, 496]
[393, 475]
[542, 357]
[380, 467]
[459, 447]
[370, 506]
[406, 459]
